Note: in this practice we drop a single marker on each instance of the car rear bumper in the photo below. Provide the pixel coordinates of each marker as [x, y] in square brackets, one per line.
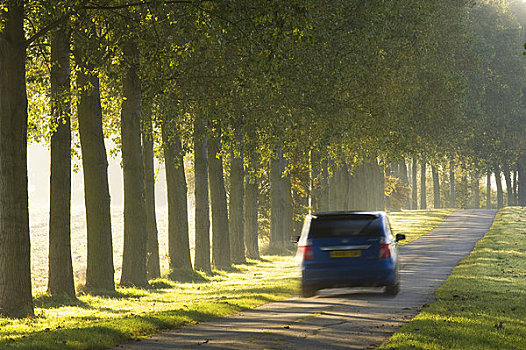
[348, 277]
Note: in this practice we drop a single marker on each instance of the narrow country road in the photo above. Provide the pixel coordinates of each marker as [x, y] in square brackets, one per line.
[341, 318]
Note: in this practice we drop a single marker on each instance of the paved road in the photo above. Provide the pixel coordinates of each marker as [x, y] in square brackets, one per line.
[341, 318]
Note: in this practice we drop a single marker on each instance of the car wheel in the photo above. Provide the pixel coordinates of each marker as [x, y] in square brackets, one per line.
[307, 291]
[392, 289]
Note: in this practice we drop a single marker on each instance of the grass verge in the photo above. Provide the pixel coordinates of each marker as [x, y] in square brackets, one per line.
[482, 304]
[103, 321]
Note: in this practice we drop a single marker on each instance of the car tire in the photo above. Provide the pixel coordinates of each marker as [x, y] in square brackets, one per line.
[307, 291]
[392, 289]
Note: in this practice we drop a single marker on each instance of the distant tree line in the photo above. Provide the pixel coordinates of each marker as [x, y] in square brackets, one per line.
[284, 107]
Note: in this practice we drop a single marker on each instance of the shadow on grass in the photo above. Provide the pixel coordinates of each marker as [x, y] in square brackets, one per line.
[228, 269]
[46, 301]
[107, 334]
[280, 251]
[115, 294]
[187, 276]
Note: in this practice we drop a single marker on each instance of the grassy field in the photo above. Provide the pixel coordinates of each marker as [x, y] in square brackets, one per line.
[483, 303]
[96, 322]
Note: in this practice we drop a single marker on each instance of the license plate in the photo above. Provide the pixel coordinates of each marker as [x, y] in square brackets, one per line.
[346, 253]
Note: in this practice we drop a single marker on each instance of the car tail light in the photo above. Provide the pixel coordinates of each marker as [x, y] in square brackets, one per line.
[306, 252]
[385, 250]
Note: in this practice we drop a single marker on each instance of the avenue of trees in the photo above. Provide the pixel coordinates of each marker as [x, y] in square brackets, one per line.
[283, 107]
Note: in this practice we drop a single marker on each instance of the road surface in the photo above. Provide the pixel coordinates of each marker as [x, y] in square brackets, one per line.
[341, 318]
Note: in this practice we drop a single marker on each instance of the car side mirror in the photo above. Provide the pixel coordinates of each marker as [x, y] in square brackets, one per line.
[294, 239]
[400, 237]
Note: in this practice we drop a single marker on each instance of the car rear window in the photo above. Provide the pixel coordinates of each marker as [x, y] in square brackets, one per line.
[345, 225]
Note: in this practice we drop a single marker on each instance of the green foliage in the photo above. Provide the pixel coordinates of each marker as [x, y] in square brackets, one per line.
[480, 306]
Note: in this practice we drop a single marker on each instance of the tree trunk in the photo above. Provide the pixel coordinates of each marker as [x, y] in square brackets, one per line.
[522, 181]
[498, 182]
[509, 188]
[380, 183]
[237, 236]
[202, 219]
[99, 272]
[153, 268]
[515, 184]
[218, 204]
[475, 183]
[15, 265]
[60, 266]
[404, 179]
[276, 200]
[423, 188]
[414, 191]
[177, 198]
[389, 172]
[488, 190]
[452, 199]
[251, 210]
[436, 188]
[288, 212]
[135, 235]
[334, 190]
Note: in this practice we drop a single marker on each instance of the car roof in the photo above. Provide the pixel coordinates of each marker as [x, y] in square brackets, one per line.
[351, 212]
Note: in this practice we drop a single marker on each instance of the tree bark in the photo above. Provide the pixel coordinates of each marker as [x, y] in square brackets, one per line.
[498, 182]
[452, 199]
[423, 187]
[509, 188]
[522, 181]
[177, 197]
[237, 236]
[15, 265]
[99, 272]
[436, 187]
[276, 200]
[475, 183]
[202, 219]
[380, 183]
[288, 212]
[488, 190]
[251, 210]
[60, 279]
[153, 268]
[135, 235]
[218, 204]
[414, 191]
[515, 189]
[404, 179]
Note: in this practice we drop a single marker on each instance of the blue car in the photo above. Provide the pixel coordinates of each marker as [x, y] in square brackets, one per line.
[348, 249]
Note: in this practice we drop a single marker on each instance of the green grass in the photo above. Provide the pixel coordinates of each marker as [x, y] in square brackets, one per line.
[414, 223]
[482, 304]
[102, 321]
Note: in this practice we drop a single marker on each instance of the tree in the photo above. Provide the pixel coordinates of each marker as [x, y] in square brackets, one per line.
[202, 220]
[99, 273]
[177, 194]
[436, 187]
[135, 235]
[15, 274]
[237, 236]
[153, 268]
[423, 194]
[60, 265]
[218, 203]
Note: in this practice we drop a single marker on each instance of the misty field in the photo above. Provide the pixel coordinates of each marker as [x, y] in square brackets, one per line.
[39, 222]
